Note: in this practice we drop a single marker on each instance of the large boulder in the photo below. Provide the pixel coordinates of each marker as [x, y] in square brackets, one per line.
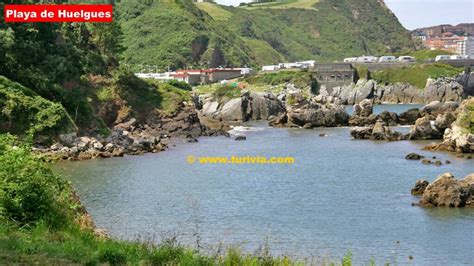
[308, 113]
[436, 107]
[409, 117]
[460, 137]
[446, 191]
[444, 90]
[424, 129]
[231, 110]
[264, 105]
[444, 121]
[364, 108]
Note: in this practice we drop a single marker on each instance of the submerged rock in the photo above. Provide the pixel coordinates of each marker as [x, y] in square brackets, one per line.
[377, 132]
[414, 156]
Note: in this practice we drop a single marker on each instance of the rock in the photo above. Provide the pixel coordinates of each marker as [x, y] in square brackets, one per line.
[444, 90]
[436, 107]
[460, 137]
[414, 156]
[240, 137]
[377, 132]
[127, 125]
[109, 147]
[302, 112]
[209, 108]
[444, 121]
[361, 132]
[419, 187]
[265, 105]
[84, 156]
[438, 163]
[364, 108]
[426, 161]
[323, 134]
[68, 139]
[409, 117]
[97, 145]
[424, 129]
[447, 162]
[446, 191]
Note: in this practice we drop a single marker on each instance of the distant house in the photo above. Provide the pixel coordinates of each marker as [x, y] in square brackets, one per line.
[206, 76]
[334, 74]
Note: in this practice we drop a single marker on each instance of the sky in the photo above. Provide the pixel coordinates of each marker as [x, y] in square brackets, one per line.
[415, 14]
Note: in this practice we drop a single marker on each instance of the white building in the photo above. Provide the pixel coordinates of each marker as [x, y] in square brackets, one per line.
[466, 47]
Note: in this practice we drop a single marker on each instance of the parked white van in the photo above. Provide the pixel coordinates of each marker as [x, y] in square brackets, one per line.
[350, 60]
[406, 59]
[442, 58]
[387, 59]
[367, 59]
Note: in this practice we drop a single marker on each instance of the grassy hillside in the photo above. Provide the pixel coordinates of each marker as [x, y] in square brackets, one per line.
[421, 55]
[416, 75]
[179, 33]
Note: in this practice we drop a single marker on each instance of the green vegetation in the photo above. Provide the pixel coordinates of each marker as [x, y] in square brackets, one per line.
[215, 11]
[466, 116]
[422, 55]
[42, 222]
[181, 34]
[24, 111]
[224, 93]
[416, 75]
[284, 4]
[300, 79]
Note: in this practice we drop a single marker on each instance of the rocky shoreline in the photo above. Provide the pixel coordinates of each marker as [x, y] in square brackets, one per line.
[293, 107]
[448, 89]
[134, 138]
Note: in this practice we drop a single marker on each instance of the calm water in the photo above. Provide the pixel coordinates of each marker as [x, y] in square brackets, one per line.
[340, 195]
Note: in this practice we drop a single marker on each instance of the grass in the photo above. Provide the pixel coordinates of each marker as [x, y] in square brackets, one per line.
[300, 79]
[72, 245]
[466, 117]
[215, 11]
[285, 4]
[415, 75]
[422, 55]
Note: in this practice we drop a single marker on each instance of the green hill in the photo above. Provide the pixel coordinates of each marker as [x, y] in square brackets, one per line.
[180, 33]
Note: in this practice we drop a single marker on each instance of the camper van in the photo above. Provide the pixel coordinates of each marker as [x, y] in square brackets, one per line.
[350, 60]
[271, 68]
[387, 59]
[367, 59]
[442, 58]
[406, 59]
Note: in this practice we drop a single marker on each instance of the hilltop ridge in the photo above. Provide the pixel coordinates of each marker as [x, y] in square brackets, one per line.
[180, 33]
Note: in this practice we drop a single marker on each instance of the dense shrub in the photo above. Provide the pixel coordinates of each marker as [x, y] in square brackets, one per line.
[29, 191]
[180, 84]
[23, 110]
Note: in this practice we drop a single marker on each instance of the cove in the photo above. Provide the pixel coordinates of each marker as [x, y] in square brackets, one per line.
[340, 195]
